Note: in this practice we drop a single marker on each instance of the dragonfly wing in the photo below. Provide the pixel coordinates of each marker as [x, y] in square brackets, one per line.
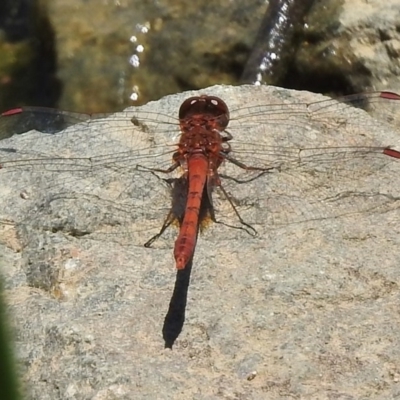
[92, 178]
[315, 160]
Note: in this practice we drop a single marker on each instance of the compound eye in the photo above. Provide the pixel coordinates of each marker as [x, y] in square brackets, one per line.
[211, 107]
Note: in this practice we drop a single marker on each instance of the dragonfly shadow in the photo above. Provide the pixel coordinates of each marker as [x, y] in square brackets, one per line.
[175, 317]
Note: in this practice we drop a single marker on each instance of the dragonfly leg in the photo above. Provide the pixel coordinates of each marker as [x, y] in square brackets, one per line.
[173, 167]
[244, 166]
[266, 171]
[167, 223]
[215, 181]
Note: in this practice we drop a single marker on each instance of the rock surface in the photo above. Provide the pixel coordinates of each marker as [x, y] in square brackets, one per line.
[306, 310]
[349, 44]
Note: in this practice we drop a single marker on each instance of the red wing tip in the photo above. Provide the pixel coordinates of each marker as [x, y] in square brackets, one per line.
[12, 112]
[392, 153]
[390, 95]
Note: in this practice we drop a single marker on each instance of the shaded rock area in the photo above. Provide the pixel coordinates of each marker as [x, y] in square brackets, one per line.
[345, 47]
[303, 310]
[349, 46]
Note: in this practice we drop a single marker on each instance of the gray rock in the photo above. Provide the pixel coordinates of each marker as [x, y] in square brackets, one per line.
[306, 309]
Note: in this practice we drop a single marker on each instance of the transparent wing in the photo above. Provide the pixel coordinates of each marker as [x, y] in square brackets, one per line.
[312, 161]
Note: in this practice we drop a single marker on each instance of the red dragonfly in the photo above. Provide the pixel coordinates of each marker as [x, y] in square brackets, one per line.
[320, 147]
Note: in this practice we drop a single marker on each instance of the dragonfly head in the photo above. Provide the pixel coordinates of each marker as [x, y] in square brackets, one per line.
[205, 110]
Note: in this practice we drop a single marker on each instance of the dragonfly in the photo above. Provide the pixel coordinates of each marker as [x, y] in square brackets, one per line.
[321, 150]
